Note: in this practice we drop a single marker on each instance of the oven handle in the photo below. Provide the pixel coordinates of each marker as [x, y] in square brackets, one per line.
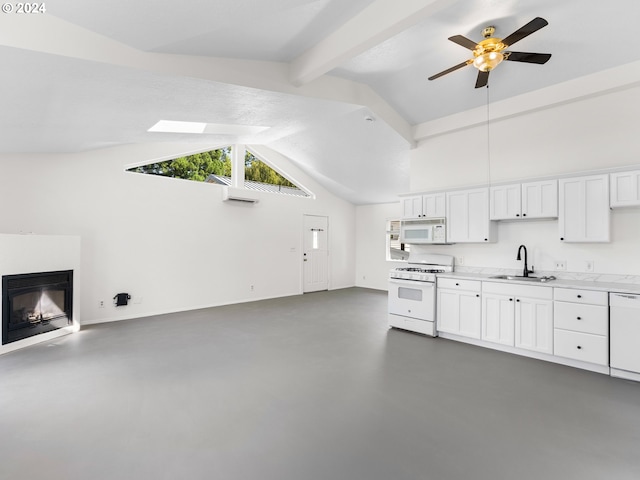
[415, 283]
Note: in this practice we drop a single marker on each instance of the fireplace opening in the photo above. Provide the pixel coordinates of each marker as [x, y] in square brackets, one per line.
[35, 303]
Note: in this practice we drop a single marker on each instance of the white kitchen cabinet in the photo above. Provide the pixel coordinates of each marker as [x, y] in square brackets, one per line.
[498, 318]
[411, 207]
[433, 205]
[468, 217]
[581, 325]
[424, 206]
[625, 189]
[518, 315]
[505, 202]
[540, 199]
[534, 324]
[458, 307]
[584, 214]
[524, 200]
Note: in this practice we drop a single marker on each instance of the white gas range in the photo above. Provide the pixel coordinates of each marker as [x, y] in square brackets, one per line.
[412, 292]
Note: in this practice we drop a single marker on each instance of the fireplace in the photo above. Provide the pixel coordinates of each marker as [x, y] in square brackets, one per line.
[36, 303]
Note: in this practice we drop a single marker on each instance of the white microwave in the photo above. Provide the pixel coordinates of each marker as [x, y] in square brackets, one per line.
[431, 231]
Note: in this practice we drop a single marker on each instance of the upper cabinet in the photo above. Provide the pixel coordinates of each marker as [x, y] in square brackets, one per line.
[584, 209]
[625, 189]
[468, 217]
[505, 202]
[424, 206]
[540, 199]
[524, 200]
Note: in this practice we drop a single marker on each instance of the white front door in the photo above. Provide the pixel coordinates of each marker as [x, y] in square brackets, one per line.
[315, 253]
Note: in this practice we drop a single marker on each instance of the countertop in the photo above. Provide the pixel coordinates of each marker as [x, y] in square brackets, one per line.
[617, 287]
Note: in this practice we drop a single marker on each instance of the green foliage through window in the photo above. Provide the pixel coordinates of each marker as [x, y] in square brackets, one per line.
[259, 171]
[196, 167]
[214, 166]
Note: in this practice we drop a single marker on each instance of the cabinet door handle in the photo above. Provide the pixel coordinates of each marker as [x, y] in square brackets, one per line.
[511, 299]
[579, 347]
[517, 299]
[524, 214]
[561, 238]
[517, 214]
[579, 318]
[477, 295]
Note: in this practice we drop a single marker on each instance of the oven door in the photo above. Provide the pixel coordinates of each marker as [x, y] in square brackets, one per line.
[411, 298]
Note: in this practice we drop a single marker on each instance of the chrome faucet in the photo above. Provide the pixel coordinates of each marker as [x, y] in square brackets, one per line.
[526, 271]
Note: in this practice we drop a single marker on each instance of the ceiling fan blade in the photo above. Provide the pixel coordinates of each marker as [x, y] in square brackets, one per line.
[452, 69]
[464, 42]
[482, 80]
[533, 26]
[528, 57]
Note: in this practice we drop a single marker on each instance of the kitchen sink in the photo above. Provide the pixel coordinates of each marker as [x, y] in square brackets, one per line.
[525, 279]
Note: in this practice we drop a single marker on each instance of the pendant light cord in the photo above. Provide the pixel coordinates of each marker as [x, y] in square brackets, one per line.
[488, 141]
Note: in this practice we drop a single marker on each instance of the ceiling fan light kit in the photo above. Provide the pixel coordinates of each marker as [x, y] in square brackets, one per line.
[491, 51]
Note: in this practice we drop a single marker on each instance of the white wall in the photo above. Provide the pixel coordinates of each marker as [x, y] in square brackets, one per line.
[372, 268]
[594, 133]
[172, 244]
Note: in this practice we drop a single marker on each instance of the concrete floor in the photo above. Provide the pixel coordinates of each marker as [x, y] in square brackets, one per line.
[304, 388]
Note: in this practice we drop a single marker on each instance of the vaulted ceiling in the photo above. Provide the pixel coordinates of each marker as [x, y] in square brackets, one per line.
[342, 85]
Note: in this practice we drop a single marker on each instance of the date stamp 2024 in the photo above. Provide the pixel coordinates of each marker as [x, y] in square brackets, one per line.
[23, 8]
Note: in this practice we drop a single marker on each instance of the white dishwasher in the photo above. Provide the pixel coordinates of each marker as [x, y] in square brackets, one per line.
[624, 335]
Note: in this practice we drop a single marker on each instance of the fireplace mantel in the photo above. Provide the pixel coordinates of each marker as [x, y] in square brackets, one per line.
[23, 254]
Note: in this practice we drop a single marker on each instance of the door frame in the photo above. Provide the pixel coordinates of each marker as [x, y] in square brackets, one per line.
[302, 233]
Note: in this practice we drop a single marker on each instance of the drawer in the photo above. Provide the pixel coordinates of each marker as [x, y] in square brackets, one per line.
[413, 324]
[581, 346]
[455, 284]
[518, 290]
[581, 296]
[581, 318]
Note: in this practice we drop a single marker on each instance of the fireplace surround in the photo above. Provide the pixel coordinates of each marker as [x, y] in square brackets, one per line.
[36, 303]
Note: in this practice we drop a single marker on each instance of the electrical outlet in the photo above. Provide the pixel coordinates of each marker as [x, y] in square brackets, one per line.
[459, 260]
[561, 265]
[251, 287]
[588, 266]
[101, 304]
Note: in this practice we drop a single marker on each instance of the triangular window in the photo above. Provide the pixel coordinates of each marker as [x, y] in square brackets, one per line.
[215, 166]
[195, 167]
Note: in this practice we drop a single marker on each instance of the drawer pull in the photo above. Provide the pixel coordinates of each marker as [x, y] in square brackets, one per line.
[579, 318]
[579, 296]
[579, 347]
[457, 284]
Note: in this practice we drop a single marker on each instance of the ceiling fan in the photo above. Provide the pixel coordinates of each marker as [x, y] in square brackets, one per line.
[488, 53]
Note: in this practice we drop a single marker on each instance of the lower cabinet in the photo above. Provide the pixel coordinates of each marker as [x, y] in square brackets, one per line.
[565, 323]
[518, 315]
[498, 318]
[581, 325]
[534, 324]
[458, 307]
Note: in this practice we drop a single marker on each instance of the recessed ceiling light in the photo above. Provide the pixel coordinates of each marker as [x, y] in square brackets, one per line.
[172, 126]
